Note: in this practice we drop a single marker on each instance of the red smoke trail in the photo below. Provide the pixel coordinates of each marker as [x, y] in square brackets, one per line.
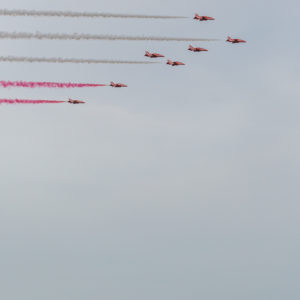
[22, 101]
[33, 84]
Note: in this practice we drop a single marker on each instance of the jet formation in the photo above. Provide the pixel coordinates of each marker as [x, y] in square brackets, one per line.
[169, 61]
[192, 48]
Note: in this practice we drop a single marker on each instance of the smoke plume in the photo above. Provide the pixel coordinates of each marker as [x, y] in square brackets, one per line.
[81, 36]
[22, 101]
[69, 60]
[72, 14]
[34, 84]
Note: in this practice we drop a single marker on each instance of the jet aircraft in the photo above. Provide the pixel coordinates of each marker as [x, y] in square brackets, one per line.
[75, 101]
[175, 63]
[117, 85]
[203, 18]
[153, 55]
[197, 49]
[234, 41]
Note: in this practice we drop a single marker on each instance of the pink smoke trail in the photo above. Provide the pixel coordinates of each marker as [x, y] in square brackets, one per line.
[22, 101]
[33, 84]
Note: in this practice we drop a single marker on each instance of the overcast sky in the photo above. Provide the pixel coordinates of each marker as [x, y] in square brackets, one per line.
[185, 185]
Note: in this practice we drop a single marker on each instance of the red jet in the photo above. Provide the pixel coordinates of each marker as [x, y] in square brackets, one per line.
[75, 101]
[153, 55]
[191, 48]
[234, 41]
[175, 63]
[203, 18]
[117, 85]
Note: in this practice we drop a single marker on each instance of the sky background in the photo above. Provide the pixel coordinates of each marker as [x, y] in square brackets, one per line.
[185, 185]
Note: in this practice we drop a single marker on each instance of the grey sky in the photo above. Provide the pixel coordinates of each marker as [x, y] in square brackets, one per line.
[185, 185]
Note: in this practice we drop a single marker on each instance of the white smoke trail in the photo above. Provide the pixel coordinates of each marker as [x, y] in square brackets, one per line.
[80, 36]
[72, 14]
[69, 60]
